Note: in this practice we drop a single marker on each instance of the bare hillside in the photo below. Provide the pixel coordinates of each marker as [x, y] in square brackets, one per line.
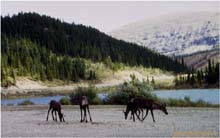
[200, 60]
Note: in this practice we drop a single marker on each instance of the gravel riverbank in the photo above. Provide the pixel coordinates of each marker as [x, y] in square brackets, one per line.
[108, 121]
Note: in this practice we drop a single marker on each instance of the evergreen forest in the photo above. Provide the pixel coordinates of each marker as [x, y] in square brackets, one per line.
[46, 48]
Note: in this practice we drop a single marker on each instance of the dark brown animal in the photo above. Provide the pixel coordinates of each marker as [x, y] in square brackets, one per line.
[83, 103]
[134, 111]
[147, 104]
[138, 113]
[56, 107]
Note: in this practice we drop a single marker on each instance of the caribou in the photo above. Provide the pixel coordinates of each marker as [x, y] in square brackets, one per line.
[134, 111]
[56, 107]
[83, 103]
[142, 103]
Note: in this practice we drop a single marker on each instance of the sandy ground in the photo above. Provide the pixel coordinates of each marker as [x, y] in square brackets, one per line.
[108, 121]
[27, 87]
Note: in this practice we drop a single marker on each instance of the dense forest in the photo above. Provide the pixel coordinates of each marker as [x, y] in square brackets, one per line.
[48, 48]
[22, 57]
[208, 77]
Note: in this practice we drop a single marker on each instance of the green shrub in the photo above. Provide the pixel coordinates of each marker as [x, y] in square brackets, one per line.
[97, 101]
[128, 90]
[136, 88]
[26, 102]
[65, 101]
[187, 99]
[10, 104]
[117, 98]
[90, 92]
[8, 81]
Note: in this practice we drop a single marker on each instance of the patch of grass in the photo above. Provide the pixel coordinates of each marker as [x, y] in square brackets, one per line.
[56, 82]
[10, 104]
[103, 72]
[26, 102]
[186, 102]
[65, 101]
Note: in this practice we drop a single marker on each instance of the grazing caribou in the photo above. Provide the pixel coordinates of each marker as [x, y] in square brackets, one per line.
[131, 107]
[83, 103]
[56, 107]
[143, 103]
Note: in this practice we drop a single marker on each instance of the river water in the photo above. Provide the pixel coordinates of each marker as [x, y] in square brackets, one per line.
[208, 95]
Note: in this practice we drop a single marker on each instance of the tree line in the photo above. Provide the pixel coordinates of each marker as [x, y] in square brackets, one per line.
[71, 40]
[207, 77]
[22, 57]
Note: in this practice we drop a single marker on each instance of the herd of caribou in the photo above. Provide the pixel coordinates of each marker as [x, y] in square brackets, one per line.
[136, 106]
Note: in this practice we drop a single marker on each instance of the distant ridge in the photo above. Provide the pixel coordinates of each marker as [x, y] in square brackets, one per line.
[174, 34]
[199, 60]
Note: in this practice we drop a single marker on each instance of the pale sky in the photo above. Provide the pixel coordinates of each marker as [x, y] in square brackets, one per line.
[103, 15]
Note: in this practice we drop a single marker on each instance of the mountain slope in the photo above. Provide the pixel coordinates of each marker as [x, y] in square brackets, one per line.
[174, 34]
[199, 60]
[64, 39]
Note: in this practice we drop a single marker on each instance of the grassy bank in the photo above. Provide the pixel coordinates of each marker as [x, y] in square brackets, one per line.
[128, 90]
[186, 102]
[107, 79]
[171, 102]
[118, 95]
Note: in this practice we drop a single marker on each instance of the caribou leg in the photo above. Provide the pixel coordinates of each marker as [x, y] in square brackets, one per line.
[53, 115]
[81, 113]
[48, 113]
[132, 112]
[152, 114]
[137, 115]
[85, 116]
[89, 113]
[142, 113]
[63, 119]
[145, 114]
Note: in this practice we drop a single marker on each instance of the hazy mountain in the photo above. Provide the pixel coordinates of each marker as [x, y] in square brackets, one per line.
[174, 34]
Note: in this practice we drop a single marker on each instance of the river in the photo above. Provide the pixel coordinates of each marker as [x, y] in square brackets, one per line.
[208, 95]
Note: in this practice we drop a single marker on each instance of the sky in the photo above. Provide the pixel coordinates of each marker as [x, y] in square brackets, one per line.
[104, 15]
